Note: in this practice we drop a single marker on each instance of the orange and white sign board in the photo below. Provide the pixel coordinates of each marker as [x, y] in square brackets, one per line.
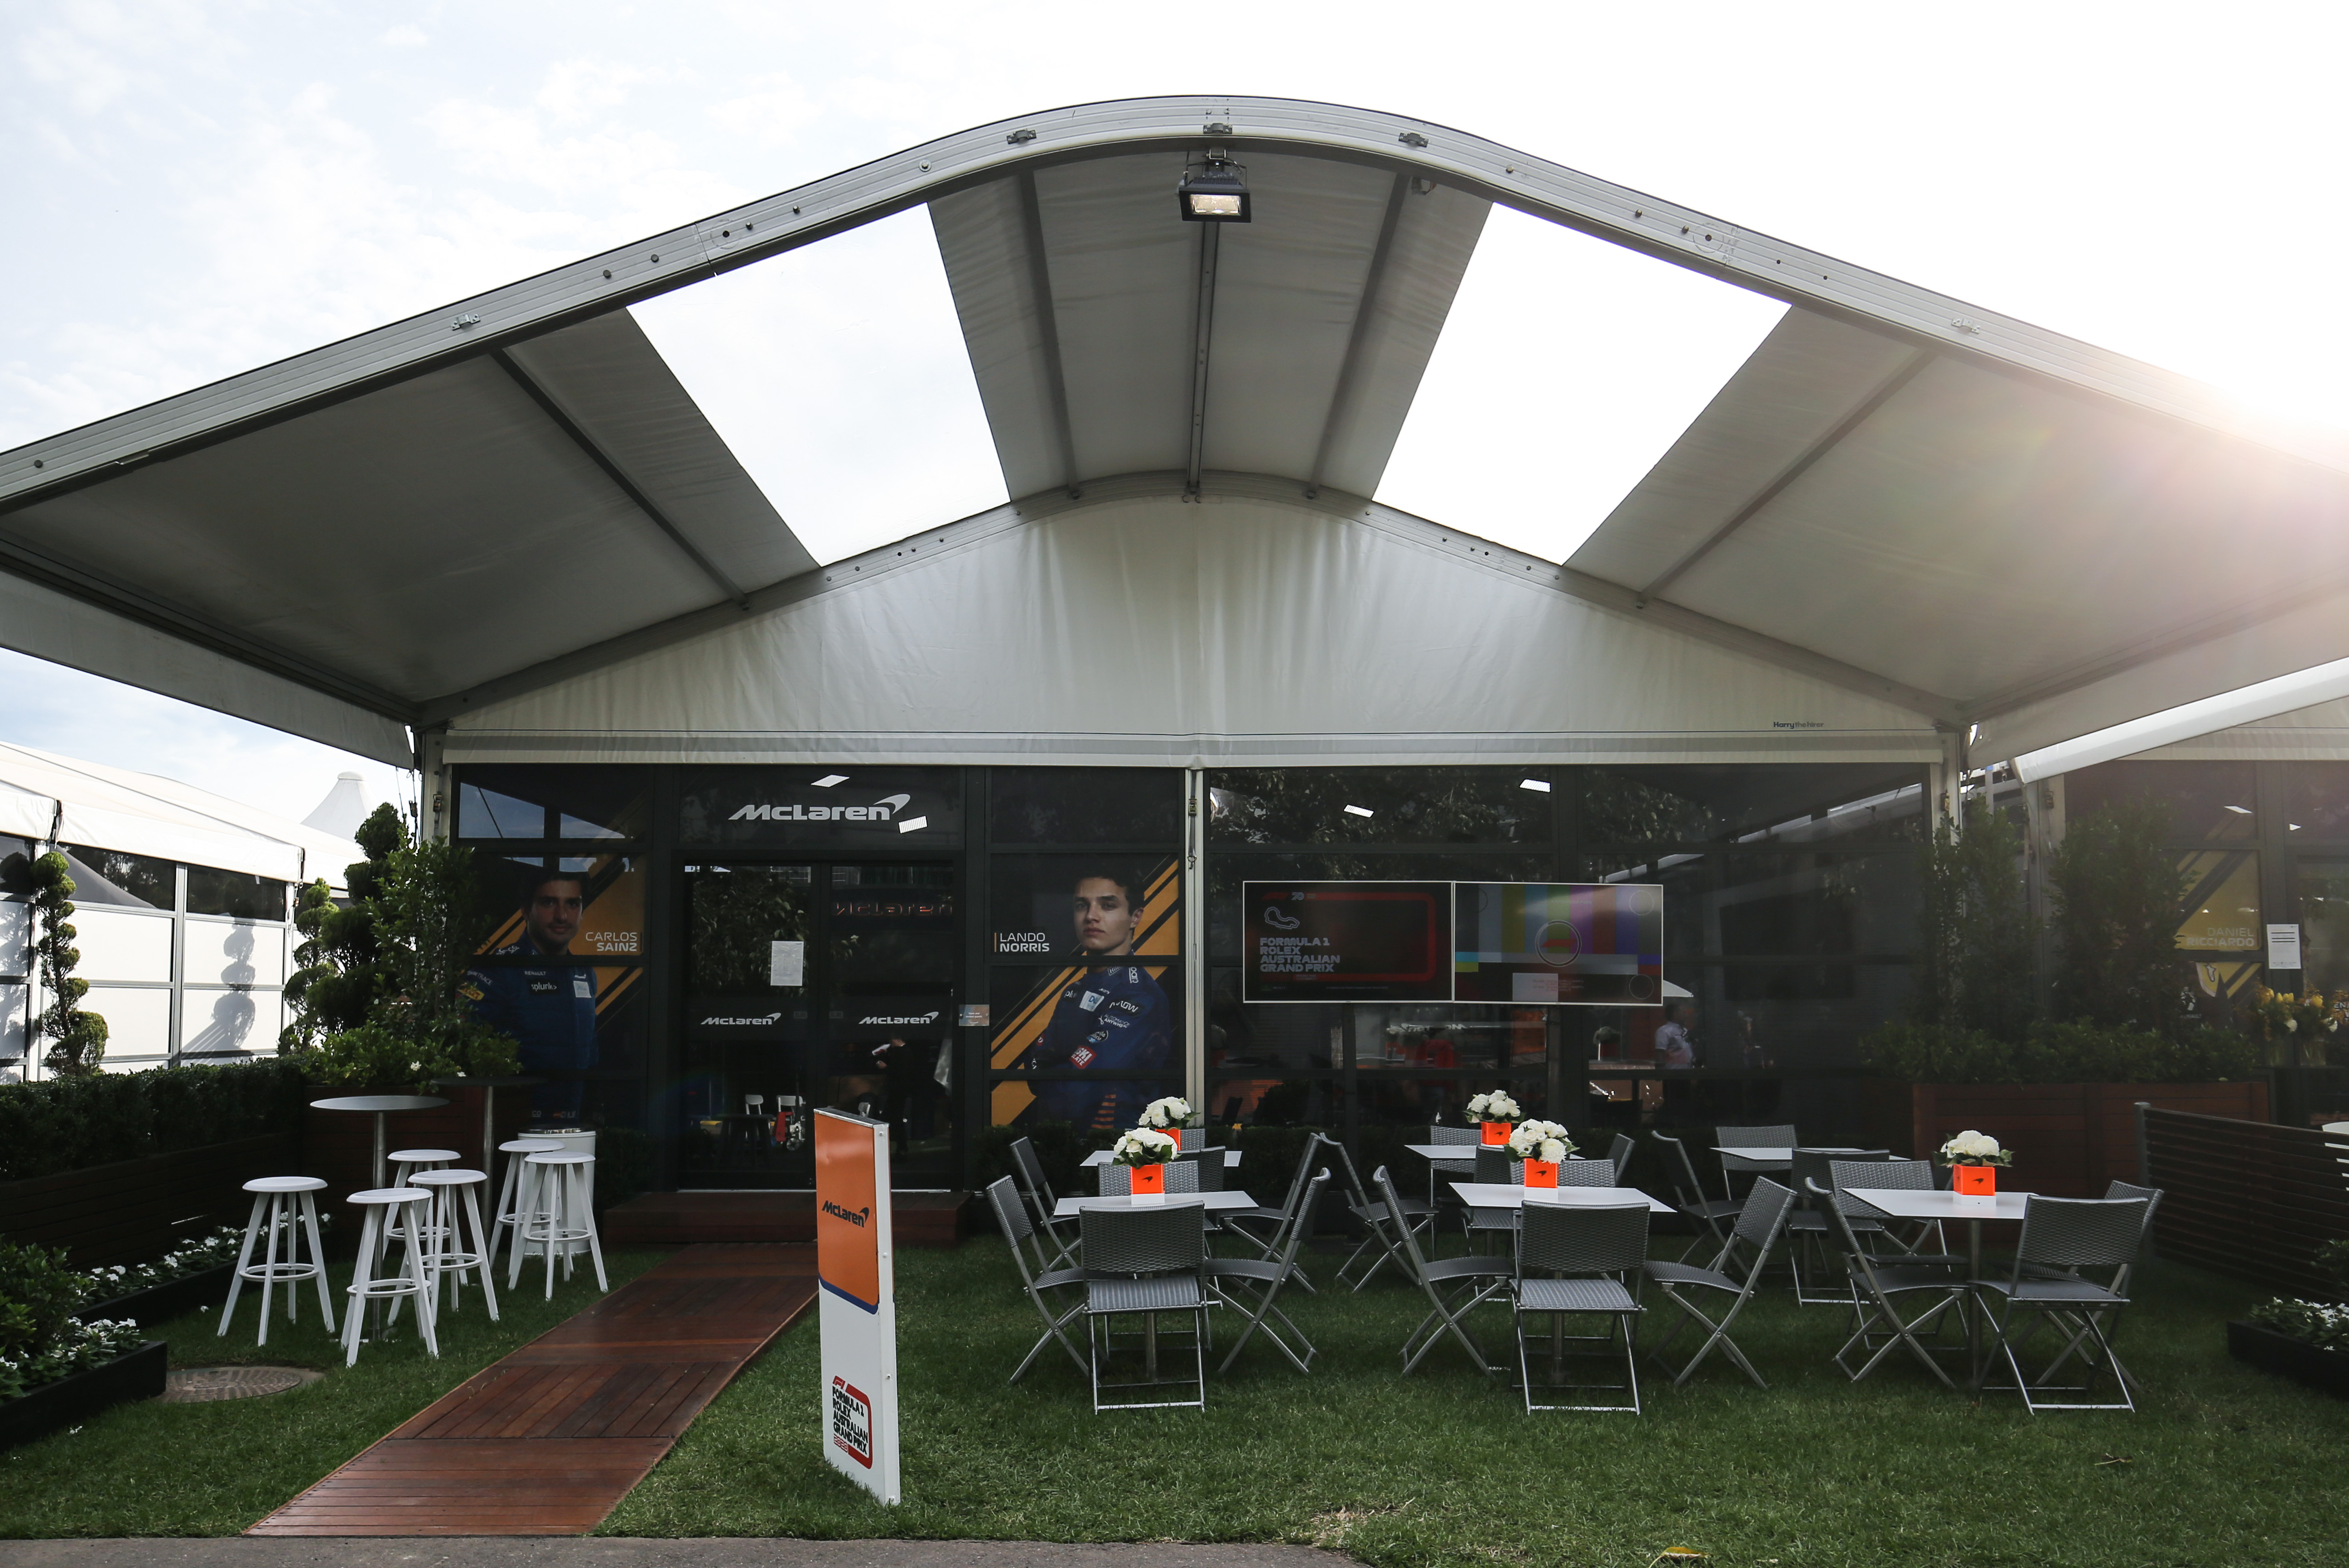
[856, 1307]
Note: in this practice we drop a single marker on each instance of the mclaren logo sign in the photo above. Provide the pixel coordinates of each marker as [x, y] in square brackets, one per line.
[886, 809]
[770, 1018]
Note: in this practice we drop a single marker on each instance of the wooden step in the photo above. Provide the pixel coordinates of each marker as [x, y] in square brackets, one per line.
[685, 1219]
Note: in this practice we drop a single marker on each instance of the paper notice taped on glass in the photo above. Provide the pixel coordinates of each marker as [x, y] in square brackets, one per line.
[786, 963]
[2283, 947]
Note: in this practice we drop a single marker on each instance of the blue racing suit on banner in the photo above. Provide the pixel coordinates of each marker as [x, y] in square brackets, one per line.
[1107, 1021]
[550, 1011]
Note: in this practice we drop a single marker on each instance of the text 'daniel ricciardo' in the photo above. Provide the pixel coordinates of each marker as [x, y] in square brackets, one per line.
[857, 1309]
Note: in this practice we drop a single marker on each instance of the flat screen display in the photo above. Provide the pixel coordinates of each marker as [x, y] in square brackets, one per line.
[1558, 944]
[1346, 941]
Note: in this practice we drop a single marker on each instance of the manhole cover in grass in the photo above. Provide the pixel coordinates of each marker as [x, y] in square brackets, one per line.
[195, 1385]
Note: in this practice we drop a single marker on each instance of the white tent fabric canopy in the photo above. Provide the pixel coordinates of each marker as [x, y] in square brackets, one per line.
[1251, 629]
[1903, 515]
[89, 804]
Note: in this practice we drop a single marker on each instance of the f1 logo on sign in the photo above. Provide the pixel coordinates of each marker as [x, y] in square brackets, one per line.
[857, 1306]
[852, 1422]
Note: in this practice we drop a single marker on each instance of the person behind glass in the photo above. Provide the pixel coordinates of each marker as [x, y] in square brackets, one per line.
[1110, 1019]
[1673, 1047]
[548, 1007]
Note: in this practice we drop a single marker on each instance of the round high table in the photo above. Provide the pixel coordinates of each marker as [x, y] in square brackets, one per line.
[381, 1106]
[489, 1087]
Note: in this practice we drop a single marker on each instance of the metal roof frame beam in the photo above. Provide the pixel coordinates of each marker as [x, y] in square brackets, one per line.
[1341, 396]
[838, 203]
[618, 475]
[1202, 338]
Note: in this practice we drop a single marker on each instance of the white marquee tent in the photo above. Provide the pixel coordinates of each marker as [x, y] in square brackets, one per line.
[506, 530]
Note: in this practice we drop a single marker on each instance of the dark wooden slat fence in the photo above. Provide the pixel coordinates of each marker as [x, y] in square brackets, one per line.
[132, 1211]
[2248, 1198]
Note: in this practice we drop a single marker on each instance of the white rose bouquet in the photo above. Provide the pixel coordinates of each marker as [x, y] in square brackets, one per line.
[1974, 1149]
[1540, 1140]
[1497, 1107]
[1145, 1147]
[1174, 1111]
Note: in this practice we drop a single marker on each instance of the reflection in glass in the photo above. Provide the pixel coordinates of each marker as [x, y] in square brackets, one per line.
[2324, 886]
[1777, 803]
[735, 918]
[1086, 806]
[517, 800]
[236, 893]
[111, 877]
[1376, 806]
[2208, 801]
[892, 929]
[2315, 799]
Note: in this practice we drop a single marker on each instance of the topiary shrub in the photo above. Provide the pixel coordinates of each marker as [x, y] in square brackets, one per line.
[77, 1039]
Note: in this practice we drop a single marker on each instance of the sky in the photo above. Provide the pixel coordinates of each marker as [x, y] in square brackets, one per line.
[200, 186]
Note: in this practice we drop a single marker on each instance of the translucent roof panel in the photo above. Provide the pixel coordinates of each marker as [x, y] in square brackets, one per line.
[837, 375]
[1568, 366]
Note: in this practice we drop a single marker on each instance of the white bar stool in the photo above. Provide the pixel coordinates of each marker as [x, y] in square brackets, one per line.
[402, 1164]
[562, 1187]
[289, 1206]
[388, 1209]
[449, 1259]
[508, 1217]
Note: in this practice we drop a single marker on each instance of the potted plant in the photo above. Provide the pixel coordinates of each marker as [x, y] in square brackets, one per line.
[1496, 1112]
[1541, 1144]
[1973, 1160]
[2302, 1340]
[1171, 1113]
[1144, 1152]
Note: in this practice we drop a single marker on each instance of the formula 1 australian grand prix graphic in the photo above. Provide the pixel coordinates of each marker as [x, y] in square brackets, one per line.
[1095, 1014]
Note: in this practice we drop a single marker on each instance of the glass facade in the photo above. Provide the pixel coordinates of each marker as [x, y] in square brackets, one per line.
[713, 953]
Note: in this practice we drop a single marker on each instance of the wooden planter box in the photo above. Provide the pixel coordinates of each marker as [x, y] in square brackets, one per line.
[2069, 1139]
[149, 1307]
[2286, 1356]
[69, 1400]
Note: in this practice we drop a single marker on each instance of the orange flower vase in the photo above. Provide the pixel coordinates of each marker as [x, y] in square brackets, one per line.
[1498, 1132]
[1541, 1173]
[1147, 1179]
[1974, 1181]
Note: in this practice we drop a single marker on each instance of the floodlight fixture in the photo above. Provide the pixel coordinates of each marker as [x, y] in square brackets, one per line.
[1214, 192]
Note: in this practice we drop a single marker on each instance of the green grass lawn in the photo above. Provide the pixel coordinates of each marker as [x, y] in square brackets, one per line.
[152, 1468]
[2223, 1466]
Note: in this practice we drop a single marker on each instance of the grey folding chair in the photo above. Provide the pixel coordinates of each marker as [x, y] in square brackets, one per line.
[1452, 1286]
[1253, 1285]
[2063, 1239]
[1493, 1167]
[1811, 1230]
[1759, 1225]
[1691, 1198]
[1375, 1216]
[1209, 1163]
[1440, 1172]
[1922, 1245]
[1878, 1284]
[1036, 1282]
[1060, 1235]
[2119, 1281]
[1117, 1180]
[1244, 1223]
[1618, 1155]
[1145, 1263]
[1574, 1263]
[1749, 1137]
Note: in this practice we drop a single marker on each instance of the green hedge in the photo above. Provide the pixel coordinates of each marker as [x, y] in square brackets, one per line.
[2059, 1053]
[67, 1123]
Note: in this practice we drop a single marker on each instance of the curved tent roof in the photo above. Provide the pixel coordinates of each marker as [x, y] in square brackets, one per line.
[1918, 504]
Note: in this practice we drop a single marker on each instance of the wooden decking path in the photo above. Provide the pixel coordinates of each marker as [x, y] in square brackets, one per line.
[549, 1439]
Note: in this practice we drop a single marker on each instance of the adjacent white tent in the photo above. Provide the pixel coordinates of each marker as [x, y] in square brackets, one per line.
[1906, 520]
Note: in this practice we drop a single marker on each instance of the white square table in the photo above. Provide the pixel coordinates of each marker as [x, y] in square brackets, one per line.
[1102, 1157]
[1495, 1195]
[1450, 1153]
[1069, 1208]
[1905, 1203]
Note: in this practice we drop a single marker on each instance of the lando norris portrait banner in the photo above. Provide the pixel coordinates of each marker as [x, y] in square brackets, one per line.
[1104, 1010]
